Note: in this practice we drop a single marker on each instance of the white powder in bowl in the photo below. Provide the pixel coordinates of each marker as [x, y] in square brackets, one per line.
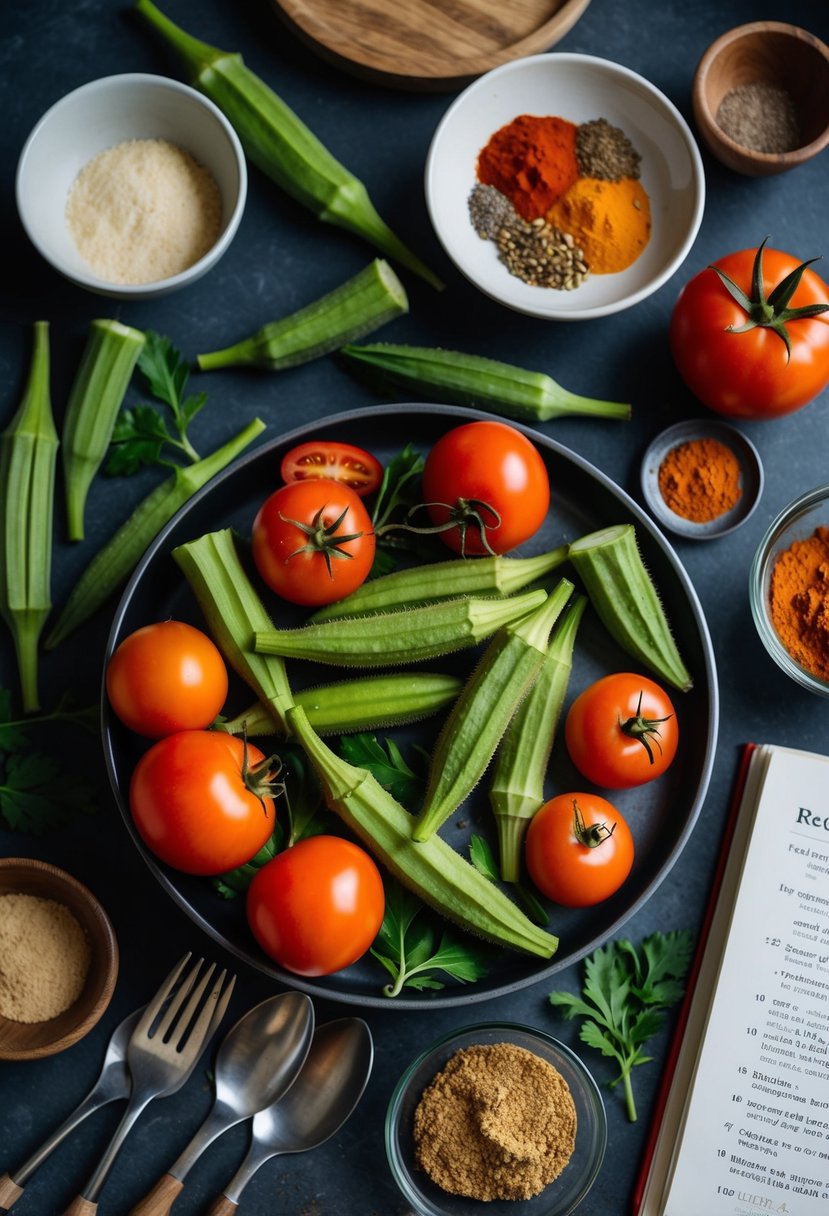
[143, 210]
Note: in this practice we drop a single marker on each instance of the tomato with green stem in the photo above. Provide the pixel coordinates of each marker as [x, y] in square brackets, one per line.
[313, 542]
[579, 849]
[316, 907]
[622, 731]
[329, 458]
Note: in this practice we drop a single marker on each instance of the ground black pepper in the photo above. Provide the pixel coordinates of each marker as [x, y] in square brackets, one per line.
[761, 117]
[605, 152]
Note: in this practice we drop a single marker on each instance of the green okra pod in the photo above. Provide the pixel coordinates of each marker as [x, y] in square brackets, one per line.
[365, 703]
[362, 303]
[112, 565]
[516, 789]
[279, 143]
[28, 455]
[433, 870]
[490, 575]
[449, 375]
[473, 729]
[98, 389]
[389, 639]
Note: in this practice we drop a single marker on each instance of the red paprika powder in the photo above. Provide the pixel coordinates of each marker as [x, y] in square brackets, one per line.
[532, 161]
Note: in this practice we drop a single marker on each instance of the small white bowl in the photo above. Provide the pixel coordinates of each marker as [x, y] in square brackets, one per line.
[578, 88]
[100, 115]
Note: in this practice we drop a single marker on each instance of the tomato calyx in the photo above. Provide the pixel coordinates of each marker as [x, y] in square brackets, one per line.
[594, 835]
[323, 538]
[771, 312]
[261, 779]
[465, 514]
[644, 730]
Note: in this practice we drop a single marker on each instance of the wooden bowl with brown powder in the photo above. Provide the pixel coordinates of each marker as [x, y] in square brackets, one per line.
[58, 959]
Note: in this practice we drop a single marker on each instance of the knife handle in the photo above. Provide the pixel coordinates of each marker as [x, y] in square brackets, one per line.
[10, 1192]
[81, 1207]
[160, 1199]
[222, 1206]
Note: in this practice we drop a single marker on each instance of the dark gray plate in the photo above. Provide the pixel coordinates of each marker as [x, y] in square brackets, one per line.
[661, 814]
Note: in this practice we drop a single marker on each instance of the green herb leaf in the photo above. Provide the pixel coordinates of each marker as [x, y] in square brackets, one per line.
[623, 997]
[36, 795]
[398, 489]
[234, 882]
[483, 858]
[386, 765]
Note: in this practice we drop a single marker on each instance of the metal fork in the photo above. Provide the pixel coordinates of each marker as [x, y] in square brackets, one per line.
[161, 1056]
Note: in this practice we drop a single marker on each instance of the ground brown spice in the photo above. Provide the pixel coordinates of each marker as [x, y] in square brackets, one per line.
[497, 1122]
[799, 601]
[44, 958]
[700, 479]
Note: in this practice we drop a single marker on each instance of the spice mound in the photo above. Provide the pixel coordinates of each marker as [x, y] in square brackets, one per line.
[700, 479]
[497, 1122]
[799, 601]
[760, 117]
[44, 958]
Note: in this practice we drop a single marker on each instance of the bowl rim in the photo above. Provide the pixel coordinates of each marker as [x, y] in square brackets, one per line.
[93, 282]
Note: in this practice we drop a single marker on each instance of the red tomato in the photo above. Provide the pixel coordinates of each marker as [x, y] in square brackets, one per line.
[622, 731]
[491, 479]
[579, 850]
[317, 906]
[196, 803]
[166, 677]
[344, 462]
[313, 542]
[751, 374]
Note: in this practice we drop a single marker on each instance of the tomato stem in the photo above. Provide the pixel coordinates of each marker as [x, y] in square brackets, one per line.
[591, 836]
[260, 778]
[465, 514]
[642, 729]
[323, 538]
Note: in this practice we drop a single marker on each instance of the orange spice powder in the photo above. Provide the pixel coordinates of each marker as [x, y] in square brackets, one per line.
[799, 601]
[700, 479]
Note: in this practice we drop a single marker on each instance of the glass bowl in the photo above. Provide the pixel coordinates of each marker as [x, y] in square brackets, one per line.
[563, 1194]
[796, 522]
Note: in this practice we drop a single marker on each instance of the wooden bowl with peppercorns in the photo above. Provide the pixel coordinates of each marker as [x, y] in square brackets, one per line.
[60, 959]
[761, 98]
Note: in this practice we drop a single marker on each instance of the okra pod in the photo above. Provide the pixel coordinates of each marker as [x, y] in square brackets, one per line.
[279, 143]
[389, 639]
[98, 389]
[367, 703]
[28, 455]
[113, 564]
[623, 594]
[433, 870]
[473, 729]
[482, 576]
[449, 375]
[233, 612]
[361, 304]
[516, 790]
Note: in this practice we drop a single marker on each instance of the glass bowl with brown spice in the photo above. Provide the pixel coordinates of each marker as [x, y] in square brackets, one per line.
[789, 590]
[496, 1113]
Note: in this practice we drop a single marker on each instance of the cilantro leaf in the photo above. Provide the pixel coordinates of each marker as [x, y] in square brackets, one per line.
[36, 795]
[483, 859]
[385, 764]
[398, 489]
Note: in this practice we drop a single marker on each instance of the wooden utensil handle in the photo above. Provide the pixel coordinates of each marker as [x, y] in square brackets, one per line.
[160, 1199]
[222, 1206]
[10, 1192]
[81, 1207]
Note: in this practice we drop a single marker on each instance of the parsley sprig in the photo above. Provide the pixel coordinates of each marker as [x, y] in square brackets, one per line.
[623, 998]
[386, 764]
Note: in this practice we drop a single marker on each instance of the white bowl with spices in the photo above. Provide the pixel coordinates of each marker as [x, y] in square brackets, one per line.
[618, 171]
[60, 959]
[132, 186]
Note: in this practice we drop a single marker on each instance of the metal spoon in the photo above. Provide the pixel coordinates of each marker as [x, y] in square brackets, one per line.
[257, 1062]
[323, 1096]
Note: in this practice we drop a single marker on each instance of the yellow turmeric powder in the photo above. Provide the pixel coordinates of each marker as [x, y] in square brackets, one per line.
[610, 221]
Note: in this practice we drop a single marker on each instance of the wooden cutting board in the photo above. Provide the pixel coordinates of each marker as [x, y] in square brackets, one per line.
[428, 44]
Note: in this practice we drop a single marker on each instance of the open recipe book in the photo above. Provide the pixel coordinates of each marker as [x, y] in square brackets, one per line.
[743, 1120]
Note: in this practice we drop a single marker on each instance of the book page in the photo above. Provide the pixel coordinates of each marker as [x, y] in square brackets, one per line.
[755, 1136]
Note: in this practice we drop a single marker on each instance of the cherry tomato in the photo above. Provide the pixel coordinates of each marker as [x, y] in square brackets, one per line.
[317, 906]
[622, 731]
[196, 803]
[344, 462]
[166, 677]
[751, 374]
[313, 542]
[491, 480]
[579, 849]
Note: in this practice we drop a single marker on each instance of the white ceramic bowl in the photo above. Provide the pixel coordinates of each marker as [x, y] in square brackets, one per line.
[578, 88]
[100, 115]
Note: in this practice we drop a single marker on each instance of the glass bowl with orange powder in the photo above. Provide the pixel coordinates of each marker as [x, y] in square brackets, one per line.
[789, 590]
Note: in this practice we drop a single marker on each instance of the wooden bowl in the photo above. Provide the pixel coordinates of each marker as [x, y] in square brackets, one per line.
[33, 1040]
[772, 53]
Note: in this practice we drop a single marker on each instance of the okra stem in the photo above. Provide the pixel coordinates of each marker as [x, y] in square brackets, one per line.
[361, 304]
[279, 143]
[447, 375]
[113, 564]
[28, 455]
[97, 392]
[517, 787]
[389, 639]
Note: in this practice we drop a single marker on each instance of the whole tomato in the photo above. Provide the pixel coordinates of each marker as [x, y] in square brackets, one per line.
[344, 462]
[579, 849]
[486, 485]
[202, 800]
[166, 677]
[313, 542]
[621, 731]
[749, 336]
[317, 906]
